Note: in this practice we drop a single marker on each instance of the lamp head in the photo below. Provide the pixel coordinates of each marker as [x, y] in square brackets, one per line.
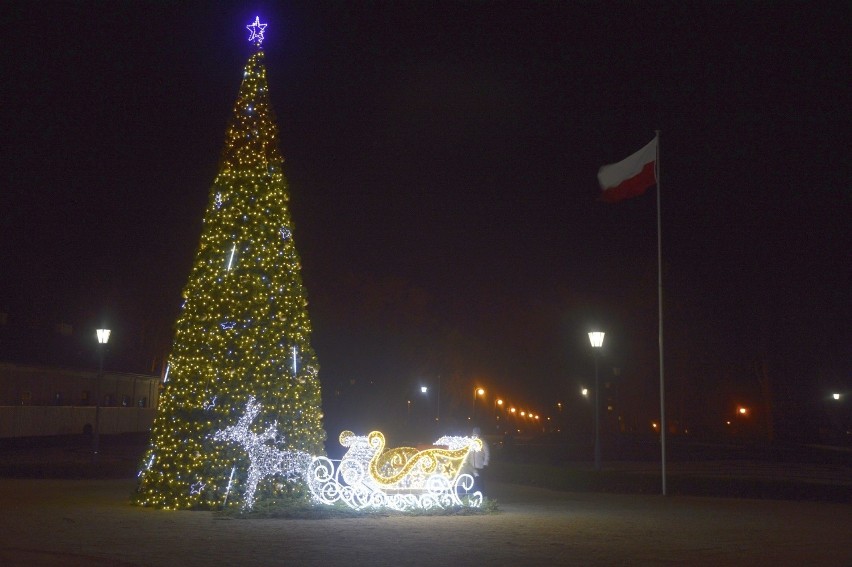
[596, 338]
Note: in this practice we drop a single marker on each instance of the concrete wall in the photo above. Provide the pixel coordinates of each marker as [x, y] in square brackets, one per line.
[34, 421]
[36, 401]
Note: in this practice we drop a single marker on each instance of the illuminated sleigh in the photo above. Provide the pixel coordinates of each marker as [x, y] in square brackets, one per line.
[402, 478]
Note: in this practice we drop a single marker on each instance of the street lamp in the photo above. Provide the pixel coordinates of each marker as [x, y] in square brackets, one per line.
[597, 338]
[103, 339]
[425, 391]
[476, 392]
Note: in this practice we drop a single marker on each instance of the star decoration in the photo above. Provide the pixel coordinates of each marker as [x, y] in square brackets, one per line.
[256, 30]
[197, 488]
[228, 325]
[211, 405]
[285, 233]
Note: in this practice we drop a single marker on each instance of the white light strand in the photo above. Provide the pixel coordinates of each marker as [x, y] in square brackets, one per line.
[295, 362]
[166, 377]
[231, 259]
[230, 482]
[147, 466]
[457, 442]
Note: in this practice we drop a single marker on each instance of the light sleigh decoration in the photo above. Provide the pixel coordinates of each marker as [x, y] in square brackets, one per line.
[368, 476]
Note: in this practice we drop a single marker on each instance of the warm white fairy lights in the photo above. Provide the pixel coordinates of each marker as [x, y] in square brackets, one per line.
[265, 460]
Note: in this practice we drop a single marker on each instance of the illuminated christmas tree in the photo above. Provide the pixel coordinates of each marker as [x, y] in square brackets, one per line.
[243, 331]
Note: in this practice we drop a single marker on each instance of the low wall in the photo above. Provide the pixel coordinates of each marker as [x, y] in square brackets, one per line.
[34, 421]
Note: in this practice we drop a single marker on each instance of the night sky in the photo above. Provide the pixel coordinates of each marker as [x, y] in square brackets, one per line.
[442, 160]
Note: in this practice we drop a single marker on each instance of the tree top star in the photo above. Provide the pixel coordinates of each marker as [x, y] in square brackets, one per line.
[256, 30]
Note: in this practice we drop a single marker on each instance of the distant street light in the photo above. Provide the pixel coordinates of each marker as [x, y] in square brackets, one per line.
[424, 389]
[836, 395]
[584, 392]
[597, 338]
[103, 339]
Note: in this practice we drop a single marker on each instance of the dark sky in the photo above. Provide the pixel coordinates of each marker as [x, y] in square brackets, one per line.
[442, 163]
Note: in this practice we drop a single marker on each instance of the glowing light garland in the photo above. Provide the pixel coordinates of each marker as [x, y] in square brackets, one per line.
[265, 460]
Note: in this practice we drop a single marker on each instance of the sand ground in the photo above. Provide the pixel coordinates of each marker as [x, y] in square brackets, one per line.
[90, 522]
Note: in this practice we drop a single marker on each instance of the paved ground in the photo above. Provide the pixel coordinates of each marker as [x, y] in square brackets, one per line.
[64, 522]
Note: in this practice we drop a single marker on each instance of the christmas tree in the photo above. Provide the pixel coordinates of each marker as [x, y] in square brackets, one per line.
[243, 332]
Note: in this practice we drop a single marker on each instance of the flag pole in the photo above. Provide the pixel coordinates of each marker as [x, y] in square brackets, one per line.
[660, 325]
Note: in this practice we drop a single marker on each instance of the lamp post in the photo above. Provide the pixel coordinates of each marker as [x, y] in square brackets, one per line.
[425, 391]
[597, 338]
[103, 339]
[476, 392]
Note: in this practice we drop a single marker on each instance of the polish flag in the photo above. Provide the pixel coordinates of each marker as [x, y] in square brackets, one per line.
[631, 176]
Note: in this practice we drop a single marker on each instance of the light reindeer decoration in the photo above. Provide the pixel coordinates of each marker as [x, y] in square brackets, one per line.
[264, 459]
